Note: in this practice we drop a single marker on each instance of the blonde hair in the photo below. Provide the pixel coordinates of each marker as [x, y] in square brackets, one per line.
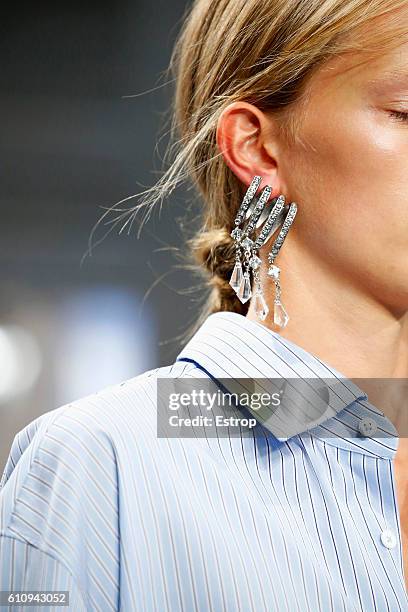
[262, 52]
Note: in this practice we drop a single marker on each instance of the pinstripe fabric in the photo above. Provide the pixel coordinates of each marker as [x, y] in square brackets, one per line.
[93, 502]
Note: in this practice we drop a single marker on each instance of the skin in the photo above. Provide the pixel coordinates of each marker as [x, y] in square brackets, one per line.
[344, 263]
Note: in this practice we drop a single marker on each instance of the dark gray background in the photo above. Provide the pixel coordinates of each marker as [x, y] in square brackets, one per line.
[71, 144]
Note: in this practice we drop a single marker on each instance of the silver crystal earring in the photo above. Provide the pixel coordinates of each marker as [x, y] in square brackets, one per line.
[280, 316]
[251, 259]
[241, 278]
[272, 222]
[244, 240]
[237, 233]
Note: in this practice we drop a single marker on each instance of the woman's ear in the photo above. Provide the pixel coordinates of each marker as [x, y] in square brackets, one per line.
[247, 140]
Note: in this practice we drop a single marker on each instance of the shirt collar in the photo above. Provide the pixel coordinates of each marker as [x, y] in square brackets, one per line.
[238, 351]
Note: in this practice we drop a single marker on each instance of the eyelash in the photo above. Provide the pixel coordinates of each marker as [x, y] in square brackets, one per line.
[399, 115]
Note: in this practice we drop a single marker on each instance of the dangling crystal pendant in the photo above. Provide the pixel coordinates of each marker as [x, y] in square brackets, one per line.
[261, 307]
[244, 292]
[280, 316]
[274, 272]
[236, 276]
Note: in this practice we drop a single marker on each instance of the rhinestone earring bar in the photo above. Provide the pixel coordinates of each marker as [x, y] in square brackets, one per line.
[260, 305]
[280, 316]
[236, 234]
[266, 213]
[252, 247]
[251, 260]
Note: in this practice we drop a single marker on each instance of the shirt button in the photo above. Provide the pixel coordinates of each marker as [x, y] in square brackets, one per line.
[367, 426]
[388, 538]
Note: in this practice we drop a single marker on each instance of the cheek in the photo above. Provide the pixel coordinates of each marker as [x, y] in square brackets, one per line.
[349, 176]
[351, 172]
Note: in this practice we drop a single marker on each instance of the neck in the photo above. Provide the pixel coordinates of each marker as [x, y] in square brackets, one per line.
[342, 324]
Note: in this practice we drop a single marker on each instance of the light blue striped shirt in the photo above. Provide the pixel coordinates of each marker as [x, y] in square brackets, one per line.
[95, 503]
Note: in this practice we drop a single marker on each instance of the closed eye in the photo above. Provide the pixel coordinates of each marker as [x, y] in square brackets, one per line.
[399, 115]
